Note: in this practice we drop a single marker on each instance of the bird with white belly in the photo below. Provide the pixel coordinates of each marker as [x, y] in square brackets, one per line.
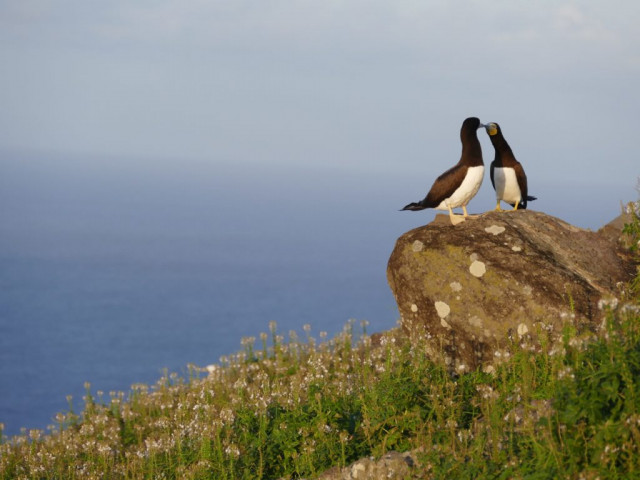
[458, 185]
[507, 175]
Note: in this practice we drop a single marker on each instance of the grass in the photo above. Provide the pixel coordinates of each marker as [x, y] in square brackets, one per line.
[292, 408]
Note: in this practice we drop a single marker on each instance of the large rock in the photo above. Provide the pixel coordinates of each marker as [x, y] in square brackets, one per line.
[392, 466]
[473, 289]
[612, 231]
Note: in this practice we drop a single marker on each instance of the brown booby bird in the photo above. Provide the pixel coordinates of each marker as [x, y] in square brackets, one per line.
[458, 185]
[507, 175]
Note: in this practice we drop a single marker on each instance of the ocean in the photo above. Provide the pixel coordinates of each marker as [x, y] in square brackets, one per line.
[112, 271]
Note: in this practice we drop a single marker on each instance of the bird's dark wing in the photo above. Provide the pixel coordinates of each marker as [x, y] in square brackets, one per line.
[522, 180]
[522, 184]
[445, 185]
[491, 169]
[442, 188]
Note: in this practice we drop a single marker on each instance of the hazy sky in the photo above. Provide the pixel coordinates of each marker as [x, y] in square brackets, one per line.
[368, 84]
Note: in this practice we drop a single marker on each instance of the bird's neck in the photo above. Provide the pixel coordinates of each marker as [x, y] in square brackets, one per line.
[472, 151]
[501, 146]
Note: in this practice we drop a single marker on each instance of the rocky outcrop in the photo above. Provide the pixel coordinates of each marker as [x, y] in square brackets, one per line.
[391, 466]
[475, 288]
[612, 231]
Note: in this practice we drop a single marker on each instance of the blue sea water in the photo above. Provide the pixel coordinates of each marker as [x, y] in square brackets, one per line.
[113, 270]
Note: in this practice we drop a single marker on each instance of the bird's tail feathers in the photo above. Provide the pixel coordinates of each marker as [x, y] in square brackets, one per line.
[522, 204]
[415, 206]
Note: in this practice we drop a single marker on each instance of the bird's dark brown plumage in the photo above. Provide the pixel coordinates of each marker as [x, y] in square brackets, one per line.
[504, 158]
[447, 183]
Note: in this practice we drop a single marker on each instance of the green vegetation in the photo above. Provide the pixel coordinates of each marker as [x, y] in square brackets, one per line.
[293, 408]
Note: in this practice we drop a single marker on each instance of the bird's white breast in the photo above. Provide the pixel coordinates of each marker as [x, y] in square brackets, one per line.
[467, 189]
[506, 185]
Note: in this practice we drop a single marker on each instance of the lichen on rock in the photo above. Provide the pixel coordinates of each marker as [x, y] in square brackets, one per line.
[494, 280]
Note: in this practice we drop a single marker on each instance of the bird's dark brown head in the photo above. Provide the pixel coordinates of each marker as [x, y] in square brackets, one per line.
[471, 123]
[497, 139]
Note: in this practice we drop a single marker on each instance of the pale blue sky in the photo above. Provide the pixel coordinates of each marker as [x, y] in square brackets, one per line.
[366, 84]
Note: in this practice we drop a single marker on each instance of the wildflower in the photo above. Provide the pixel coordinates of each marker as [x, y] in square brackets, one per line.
[607, 303]
[486, 391]
[140, 387]
[104, 449]
[227, 415]
[635, 418]
[240, 384]
[232, 450]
